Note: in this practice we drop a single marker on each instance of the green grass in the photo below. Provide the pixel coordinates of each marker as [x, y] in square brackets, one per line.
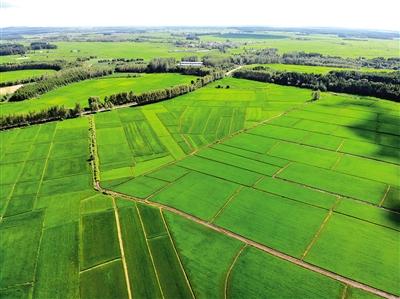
[296, 192]
[170, 273]
[23, 74]
[80, 92]
[201, 253]
[280, 223]
[338, 183]
[369, 213]
[136, 141]
[141, 187]
[328, 45]
[72, 50]
[369, 247]
[153, 224]
[99, 239]
[271, 277]
[143, 151]
[105, 282]
[238, 161]
[61, 244]
[17, 292]
[220, 170]
[197, 194]
[19, 243]
[143, 280]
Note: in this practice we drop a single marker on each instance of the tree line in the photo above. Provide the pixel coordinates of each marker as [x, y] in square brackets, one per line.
[271, 55]
[50, 65]
[163, 65]
[19, 49]
[57, 80]
[95, 104]
[379, 85]
[156, 95]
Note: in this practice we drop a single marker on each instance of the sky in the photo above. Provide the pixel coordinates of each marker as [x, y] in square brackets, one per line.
[367, 14]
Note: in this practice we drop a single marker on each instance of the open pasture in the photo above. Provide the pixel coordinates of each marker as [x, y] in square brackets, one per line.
[22, 75]
[107, 50]
[79, 92]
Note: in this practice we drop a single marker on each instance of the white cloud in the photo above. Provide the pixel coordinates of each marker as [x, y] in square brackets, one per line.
[340, 13]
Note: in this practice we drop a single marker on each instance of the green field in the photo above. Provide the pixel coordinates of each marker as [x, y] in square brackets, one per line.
[311, 69]
[107, 50]
[251, 191]
[327, 45]
[22, 75]
[81, 91]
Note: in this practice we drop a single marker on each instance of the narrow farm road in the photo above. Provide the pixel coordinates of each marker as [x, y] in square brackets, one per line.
[227, 74]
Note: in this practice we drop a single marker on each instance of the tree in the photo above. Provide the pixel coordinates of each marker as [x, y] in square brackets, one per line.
[315, 95]
[94, 103]
[77, 110]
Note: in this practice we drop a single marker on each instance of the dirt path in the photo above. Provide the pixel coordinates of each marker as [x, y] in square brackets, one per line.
[260, 246]
[9, 89]
[121, 247]
[228, 273]
[232, 71]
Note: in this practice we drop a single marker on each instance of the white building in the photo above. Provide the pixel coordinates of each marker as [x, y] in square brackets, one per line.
[190, 63]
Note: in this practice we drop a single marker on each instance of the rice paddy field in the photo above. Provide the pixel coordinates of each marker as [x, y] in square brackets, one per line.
[246, 192]
[79, 92]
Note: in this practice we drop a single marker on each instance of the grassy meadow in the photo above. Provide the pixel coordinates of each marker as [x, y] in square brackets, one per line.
[79, 92]
[22, 75]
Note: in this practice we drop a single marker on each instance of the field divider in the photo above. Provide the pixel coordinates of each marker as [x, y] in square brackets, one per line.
[236, 192]
[96, 163]
[341, 195]
[121, 247]
[262, 247]
[34, 204]
[177, 255]
[228, 273]
[337, 161]
[281, 169]
[149, 250]
[100, 265]
[320, 229]
[345, 138]
[340, 145]
[344, 293]
[384, 196]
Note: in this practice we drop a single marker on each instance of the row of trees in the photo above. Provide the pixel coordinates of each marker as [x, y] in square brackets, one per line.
[95, 104]
[45, 115]
[59, 79]
[162, 65]
[12, 49]
[157, 95]
[346, 82]
[42, 46]
[22, 81]
[271, 55]
[50, 65]
[19, 49]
